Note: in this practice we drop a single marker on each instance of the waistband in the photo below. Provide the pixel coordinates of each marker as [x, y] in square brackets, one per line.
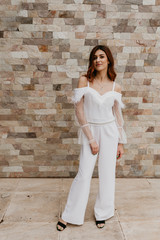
[104, 123]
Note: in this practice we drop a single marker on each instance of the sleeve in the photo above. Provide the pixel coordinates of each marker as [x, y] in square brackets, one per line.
[117, 111]
[78, 100]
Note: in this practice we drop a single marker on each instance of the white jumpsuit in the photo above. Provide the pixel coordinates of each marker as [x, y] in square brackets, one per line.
[102, 120]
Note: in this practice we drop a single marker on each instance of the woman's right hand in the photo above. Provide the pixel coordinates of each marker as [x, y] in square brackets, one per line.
[94, 147]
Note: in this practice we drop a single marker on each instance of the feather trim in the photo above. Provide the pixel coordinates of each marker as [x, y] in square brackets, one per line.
[78, 94]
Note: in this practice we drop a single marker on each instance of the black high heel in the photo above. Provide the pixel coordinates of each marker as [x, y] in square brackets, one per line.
[62, 225]
[99, 222]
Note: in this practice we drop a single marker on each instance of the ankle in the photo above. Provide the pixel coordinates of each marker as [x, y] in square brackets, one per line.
[61, 220]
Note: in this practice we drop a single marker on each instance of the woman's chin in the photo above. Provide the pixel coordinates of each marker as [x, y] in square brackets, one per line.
[99, 68]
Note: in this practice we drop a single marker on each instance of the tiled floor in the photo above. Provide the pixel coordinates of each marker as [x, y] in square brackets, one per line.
[30, 207]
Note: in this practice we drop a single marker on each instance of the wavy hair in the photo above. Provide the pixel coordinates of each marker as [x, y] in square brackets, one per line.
[91, 72]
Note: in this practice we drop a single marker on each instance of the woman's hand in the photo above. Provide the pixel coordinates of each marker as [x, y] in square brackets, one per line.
[120, 151]
[94, 147]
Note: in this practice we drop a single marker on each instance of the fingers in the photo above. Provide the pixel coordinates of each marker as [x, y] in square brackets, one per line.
[94, 148]
[119, 154]
[94, 152]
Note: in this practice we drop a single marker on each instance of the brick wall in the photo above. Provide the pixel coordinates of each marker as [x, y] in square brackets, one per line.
[44, 48]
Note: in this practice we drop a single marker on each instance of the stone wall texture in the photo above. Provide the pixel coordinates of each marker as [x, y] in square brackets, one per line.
[44, 48]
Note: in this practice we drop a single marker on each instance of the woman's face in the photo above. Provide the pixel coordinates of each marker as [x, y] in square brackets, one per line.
[100, 61]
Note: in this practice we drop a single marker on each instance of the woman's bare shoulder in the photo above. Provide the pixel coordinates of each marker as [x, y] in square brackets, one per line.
[118, 88]
[82, 81]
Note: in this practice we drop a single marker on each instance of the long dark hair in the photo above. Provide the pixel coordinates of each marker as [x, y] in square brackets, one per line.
[91, 72]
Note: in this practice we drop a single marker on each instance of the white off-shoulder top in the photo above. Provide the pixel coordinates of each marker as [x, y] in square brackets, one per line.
[99, 109]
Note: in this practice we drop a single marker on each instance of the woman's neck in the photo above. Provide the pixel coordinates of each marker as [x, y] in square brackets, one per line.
[102, 76]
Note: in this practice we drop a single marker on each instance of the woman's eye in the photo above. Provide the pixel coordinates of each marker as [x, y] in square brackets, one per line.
[99, 57]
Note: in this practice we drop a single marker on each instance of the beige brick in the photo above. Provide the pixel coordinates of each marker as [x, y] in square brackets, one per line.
[21, 129]
[23, 13]
[65, 55]
[19, 54]
[89, 14]
[71, 62]
[148, 2]
[12, 169]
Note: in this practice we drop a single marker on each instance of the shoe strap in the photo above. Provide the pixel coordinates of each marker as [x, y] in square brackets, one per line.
[99, 222]
[61, 224]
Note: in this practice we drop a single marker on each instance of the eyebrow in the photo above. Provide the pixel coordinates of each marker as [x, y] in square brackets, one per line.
[102, 54]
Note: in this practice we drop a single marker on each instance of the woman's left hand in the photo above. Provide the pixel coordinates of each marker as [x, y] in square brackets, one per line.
[120, 151]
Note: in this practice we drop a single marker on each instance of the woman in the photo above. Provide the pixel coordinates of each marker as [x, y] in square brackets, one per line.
[98, 110]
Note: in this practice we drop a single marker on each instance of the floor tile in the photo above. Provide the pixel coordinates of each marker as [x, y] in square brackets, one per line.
[39, 185]
[66, 184]
[28, 231]
[139, 230]
[33, 207]
[132, 184]
[133, 206]
[5, 199]
[155, 184]
[8, 184]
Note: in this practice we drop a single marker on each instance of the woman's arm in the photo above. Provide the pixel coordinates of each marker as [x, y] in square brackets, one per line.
[79, 111]
[117, 111]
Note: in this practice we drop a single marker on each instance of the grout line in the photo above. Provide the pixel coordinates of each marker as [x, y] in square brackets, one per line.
[9, 203]
[1, 221]
[59, 236]
[12, 193]
[148, 182]
[124, 237]
[18, 184]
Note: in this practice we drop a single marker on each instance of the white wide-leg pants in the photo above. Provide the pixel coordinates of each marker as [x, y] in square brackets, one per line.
[107, 138]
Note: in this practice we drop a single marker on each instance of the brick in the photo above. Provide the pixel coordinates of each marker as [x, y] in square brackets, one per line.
[149, 2]
[19, 54]
[47, 14]
[40, 6]
[18, 67]
[64, 48]
[74, 21]
[1, 34]
[91, 42]
[24, 20]
[37, 41]
[92, 2]
[66, 14]
[23, 13]
[144, 8]
[43, 68]
[57, 87]
[125, 2]
[27, 6]
[12, 169]
[47, 35]
[43, 48]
